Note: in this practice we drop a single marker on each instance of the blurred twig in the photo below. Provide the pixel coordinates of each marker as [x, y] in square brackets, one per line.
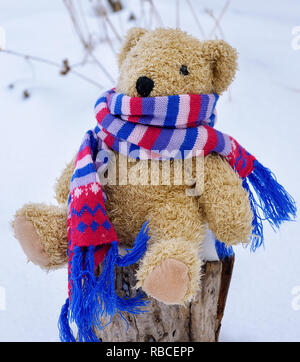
[156, 13]
[114, 30]
[87, 40]
[142, 13]
[218, 20]
[196, 18]
[177, 14]
[148, 17]
[64, 67]
[115, 5]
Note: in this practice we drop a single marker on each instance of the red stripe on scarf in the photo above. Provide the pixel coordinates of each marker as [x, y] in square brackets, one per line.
[83, 153]
[245, 165]
[136, 109]
[211, 142]
[101, 114]
[149, 137]
[195, 106]
[109, 139]
[239, 159]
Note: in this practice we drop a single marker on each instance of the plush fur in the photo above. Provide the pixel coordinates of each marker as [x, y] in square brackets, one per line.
[177, 221]
[41, 230]
[159, 56]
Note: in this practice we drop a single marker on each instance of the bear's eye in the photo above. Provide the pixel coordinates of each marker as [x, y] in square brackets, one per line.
[184, 70]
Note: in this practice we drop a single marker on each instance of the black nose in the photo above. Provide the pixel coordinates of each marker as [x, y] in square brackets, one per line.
[144, 86]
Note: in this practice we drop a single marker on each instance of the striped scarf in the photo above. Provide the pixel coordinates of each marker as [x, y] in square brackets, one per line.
[177, 126]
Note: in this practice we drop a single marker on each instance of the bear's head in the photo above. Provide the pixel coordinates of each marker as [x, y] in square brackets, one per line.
[166, 62]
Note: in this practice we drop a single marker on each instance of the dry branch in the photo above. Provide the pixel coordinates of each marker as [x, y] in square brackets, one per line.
[61, 66]
[87, 40]
[116, 5]
[193, 12]
[218, 20]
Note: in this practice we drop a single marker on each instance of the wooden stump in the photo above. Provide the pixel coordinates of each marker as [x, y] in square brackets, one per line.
[200, 321]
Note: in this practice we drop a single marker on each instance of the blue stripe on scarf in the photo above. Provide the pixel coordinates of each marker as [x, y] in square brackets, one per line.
[239, 157]
[220, 142]
[89, 140]
[216, 99]
[163, 139]
[116, 145]
[203, 109]
[126, 130]
[212, 119]
[90, 168]
[172, 111]
[97, 129]
[100, 100]
[107, 121]
[133, 148]
[189, 139]
[118, 105]
[148, 105]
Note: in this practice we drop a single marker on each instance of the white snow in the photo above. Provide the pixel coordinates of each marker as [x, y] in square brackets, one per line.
[40, 134]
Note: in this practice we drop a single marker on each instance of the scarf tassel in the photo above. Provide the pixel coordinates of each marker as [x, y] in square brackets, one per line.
[272, 202]
[223, 251]
[94, 297]
[65, 332]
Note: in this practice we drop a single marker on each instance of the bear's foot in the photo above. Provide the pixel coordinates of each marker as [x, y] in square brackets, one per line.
[168, 282]
[170, 271]
[30, 241]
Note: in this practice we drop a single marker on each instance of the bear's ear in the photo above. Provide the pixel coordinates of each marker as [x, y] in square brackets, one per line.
[132, 37]
[223, 60]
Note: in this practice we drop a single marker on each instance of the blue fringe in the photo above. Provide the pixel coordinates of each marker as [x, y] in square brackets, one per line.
[65, 332]
[223, 251]
[257, 237]
[92, 297]
[272, 203]
[110, 303]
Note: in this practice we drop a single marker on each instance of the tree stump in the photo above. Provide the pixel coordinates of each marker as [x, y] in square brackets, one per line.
[199, 321]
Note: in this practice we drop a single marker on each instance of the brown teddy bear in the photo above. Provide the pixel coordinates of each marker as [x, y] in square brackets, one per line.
[157, 63]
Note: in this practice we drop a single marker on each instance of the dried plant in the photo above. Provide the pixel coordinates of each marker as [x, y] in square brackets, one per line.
[111, 32]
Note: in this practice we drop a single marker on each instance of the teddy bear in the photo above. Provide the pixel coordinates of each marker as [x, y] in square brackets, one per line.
[154, 64]
[178, 223]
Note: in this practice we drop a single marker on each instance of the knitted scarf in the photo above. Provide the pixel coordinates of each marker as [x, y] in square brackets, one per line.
[167, 127]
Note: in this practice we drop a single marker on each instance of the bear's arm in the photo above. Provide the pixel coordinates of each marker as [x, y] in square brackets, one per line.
[42, 232]
[42, 229]
[62, 186]
[225, 202]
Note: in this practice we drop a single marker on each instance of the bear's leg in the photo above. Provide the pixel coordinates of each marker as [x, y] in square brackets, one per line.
[42, 233]
[170, 269]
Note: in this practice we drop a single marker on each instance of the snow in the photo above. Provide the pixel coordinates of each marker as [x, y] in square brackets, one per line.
[39, 136]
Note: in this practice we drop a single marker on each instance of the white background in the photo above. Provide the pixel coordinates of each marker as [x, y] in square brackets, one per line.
[40, 134]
